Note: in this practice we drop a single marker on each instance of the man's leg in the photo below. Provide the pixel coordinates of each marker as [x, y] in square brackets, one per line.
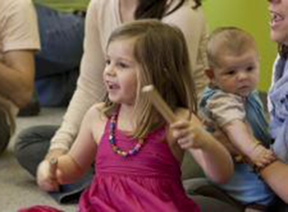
[58, 62]
[62, 36]
[4, 131]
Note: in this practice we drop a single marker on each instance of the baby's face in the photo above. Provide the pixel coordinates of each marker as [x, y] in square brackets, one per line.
[237, 74]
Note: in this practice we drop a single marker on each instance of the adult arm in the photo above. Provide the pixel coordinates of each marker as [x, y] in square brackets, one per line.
[90, 88]
[276, 175]
[19, 37]
[17, 76]
[193, 25]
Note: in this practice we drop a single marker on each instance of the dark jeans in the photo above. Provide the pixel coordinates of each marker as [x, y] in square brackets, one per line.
[58, 62]
[30, 149]
[4, 131]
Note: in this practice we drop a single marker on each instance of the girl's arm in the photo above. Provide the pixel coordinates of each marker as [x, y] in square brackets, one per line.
[212, 156]
[74, 164]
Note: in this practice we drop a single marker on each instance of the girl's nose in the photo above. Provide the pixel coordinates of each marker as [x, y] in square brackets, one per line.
[109, 70]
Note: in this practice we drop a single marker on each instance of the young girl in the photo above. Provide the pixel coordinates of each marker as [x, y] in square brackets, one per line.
[233, 106]
[41, 142]
[138, 155]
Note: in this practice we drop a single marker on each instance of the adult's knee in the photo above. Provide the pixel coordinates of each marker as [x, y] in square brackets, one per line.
[24, 139]
[31, 146]
[23, 148]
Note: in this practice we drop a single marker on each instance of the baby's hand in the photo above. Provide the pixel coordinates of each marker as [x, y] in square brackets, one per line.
[46, 175]
[189, 133]
[261, 157]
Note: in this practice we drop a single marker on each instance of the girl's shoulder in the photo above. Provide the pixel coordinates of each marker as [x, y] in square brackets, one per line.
[96, 112]
[96, 120]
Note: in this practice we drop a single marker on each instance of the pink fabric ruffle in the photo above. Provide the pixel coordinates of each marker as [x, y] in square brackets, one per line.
[40, 208]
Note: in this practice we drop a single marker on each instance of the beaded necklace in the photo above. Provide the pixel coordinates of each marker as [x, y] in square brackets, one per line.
[133, 151]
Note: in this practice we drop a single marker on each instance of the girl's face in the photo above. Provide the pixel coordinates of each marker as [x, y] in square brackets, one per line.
[279, 21]
[121, 70]
[238, 74]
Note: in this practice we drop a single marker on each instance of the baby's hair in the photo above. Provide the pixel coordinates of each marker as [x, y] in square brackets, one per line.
[232, 39]
[162, 54]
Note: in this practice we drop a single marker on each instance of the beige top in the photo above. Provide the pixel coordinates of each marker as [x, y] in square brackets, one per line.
[102, 18]
[18, 31]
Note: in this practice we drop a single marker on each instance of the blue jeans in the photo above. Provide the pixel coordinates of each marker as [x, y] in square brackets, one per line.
[58, 62]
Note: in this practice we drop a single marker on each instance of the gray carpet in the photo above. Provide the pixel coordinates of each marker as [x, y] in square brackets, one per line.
[17, 187]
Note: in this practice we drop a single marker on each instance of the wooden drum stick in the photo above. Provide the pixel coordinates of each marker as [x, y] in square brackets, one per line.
[159, 103]
[53, 165]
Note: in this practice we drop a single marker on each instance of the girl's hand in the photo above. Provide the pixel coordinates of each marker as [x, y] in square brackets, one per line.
[46, 176]
[189, 133]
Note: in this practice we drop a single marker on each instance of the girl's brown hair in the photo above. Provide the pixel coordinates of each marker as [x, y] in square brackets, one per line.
[162, 54]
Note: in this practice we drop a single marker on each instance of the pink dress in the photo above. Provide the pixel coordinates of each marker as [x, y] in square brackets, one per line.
[146, 182]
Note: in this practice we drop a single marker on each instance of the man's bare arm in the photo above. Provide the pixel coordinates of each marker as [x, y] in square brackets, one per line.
[17, 76]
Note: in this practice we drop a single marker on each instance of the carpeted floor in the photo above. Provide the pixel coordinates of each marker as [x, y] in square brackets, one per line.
[17, 187]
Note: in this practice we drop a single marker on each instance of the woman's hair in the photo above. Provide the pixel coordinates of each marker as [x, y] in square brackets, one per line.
[158, 8]
[162, 54]
[283, 51]
[232, 39]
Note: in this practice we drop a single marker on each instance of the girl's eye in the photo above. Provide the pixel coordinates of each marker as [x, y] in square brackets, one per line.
[122, 65]
[107, 62]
